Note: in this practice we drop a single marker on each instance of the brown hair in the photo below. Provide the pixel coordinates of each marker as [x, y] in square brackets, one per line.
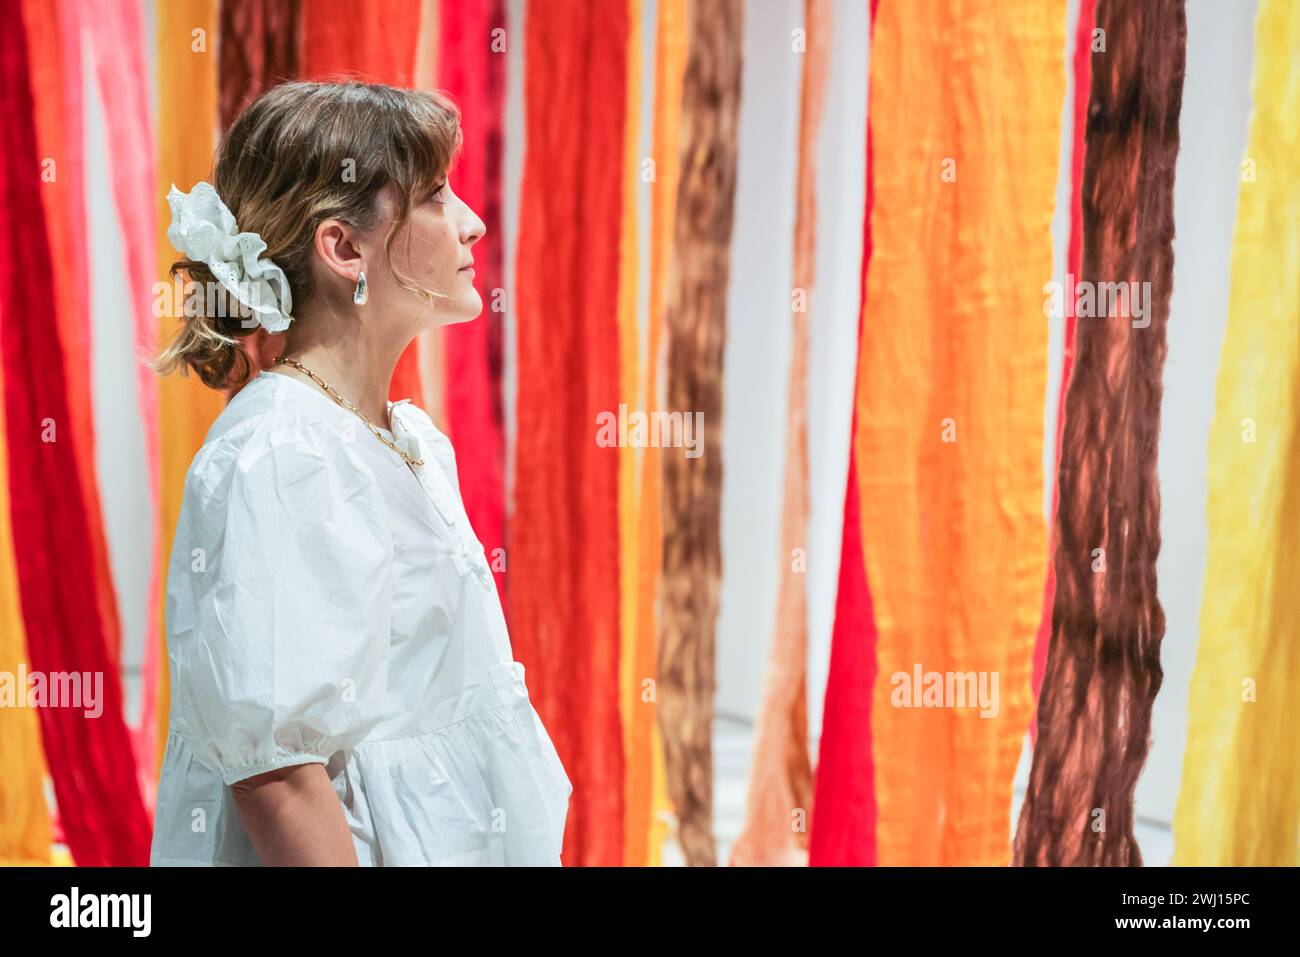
[299, 154]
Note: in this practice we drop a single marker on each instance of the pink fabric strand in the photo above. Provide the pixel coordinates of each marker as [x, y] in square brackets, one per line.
[115, 30]
[474, 73]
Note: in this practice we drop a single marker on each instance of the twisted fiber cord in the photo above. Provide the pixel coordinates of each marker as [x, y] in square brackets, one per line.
[780, 792]
[1103, 668]
[692, 489]
[257, 48]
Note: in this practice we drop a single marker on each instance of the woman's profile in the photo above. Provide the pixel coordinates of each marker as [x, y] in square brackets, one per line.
[343, 689]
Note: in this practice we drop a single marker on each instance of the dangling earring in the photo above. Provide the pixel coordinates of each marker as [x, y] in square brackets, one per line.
[361, 294]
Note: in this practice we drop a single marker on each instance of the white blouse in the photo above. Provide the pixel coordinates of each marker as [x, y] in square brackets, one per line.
[327, 603]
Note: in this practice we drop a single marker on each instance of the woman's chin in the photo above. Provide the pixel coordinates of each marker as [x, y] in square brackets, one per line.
[467, 308]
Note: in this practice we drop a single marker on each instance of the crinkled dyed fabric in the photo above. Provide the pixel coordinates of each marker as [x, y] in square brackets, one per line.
[564, 561]
[1240, 798]
[950, 409]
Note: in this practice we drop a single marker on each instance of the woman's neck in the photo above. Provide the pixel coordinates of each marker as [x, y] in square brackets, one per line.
[359, 371]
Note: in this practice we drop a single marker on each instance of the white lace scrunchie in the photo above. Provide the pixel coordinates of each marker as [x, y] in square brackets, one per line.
[204, 230]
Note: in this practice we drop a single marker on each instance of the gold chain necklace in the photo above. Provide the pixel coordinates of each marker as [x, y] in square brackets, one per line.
[406, 457]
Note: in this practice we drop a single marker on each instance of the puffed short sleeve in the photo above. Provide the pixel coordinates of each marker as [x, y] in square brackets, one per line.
[284, 658]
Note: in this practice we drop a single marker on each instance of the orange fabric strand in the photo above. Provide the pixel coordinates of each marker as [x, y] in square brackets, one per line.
[779, 797]
[637, 782]
[187, 86]
[647, 784]
[950, 406]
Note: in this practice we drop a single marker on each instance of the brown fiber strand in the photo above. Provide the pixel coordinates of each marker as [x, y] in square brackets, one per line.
[692, 491]
[1103, 666]
[779, 796]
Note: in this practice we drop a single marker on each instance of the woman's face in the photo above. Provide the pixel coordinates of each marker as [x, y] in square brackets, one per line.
[433, 249]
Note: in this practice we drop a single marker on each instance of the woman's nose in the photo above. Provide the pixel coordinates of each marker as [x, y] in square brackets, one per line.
[472, 228]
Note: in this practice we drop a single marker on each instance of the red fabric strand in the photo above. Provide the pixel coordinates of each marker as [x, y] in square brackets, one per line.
[474, 73]
[258, 49]
[373, 41]
[90, 759]
[564, 591]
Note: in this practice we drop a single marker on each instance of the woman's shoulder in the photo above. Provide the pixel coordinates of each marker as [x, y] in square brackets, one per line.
[269, 436]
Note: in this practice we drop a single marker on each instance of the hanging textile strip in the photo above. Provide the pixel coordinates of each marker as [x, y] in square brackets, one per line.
[1083, 41]
[117, 48]
[779, 795]
[950, 412]
[637, 781]
[844, 825]
[692, 487]
[186, 37]
[375, 41]
[1103, 664]
[473, 62]
[429, 344]
[258, 43]
[648, 805]
[1240, 798]
[564, 587]
[25, 831]
[54, 36]
[90, 760]
[54, 41]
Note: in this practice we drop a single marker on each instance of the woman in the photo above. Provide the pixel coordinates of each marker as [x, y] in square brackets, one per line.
[343, 686]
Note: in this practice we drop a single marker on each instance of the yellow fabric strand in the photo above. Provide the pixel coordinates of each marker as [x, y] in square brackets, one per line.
[1240, 799]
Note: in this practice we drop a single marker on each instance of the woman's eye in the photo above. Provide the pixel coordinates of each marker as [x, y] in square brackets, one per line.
[437, 194]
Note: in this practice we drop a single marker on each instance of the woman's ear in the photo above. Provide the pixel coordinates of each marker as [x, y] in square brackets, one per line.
[339, 247]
